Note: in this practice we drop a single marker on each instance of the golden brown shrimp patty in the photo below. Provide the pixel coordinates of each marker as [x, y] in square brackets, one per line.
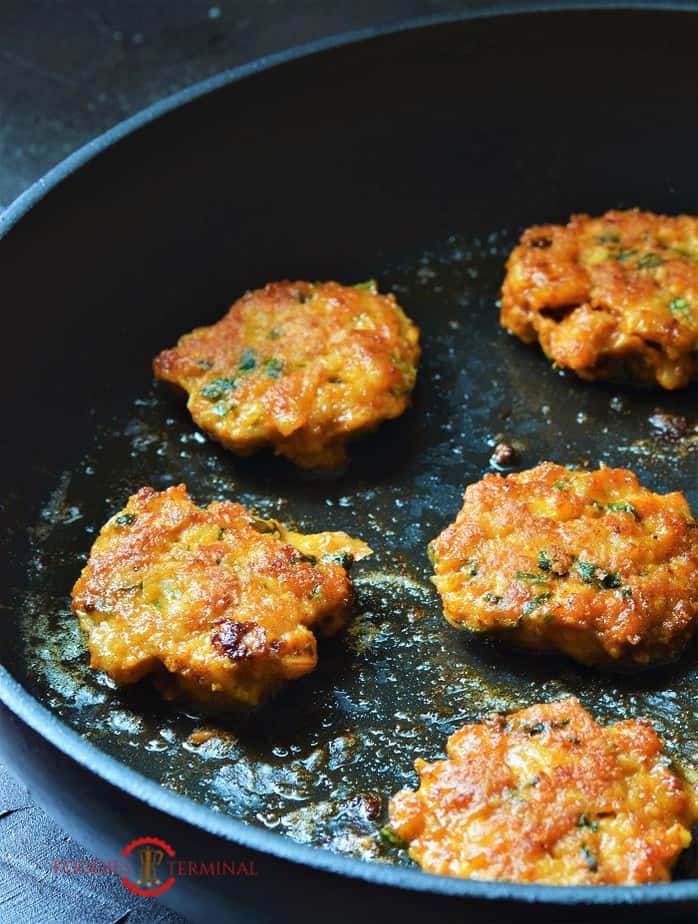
[548, 795]
[614, 297]
[300, 367]
[590, 563]
[214, 602]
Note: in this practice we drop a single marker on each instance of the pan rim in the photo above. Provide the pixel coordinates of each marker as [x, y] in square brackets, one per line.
[49, 727]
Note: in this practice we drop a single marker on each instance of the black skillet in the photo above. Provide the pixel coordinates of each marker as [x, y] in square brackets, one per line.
[416, 157]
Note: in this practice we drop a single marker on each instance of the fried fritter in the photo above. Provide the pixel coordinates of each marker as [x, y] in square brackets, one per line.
[300, 367]
[548, 795]
[612, 298]
[214, 602]
[586, 562]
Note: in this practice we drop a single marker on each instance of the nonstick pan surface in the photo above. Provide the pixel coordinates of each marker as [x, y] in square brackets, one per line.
[420, 171]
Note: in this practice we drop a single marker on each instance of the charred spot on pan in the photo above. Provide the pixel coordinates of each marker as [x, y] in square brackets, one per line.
[504, 456]
[228, 638]
[368, 804]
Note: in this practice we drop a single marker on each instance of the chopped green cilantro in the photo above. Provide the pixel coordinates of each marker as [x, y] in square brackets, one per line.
[625, 507]
[680, 307]
[585, 570]
[530, 576]
[544, 561]
[584, 822]
[273, 367]
[218, 388]
[248, 361]
[390, 839]
[650, 261]
[369, 286]
[535, 602]
[125, 519]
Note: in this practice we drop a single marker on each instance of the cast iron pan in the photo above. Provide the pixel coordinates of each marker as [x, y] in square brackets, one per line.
[415, 157]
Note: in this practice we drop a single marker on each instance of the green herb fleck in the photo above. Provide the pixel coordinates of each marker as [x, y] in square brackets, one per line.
[589, 858]
[473, 567]
[390, 839]
[611, 581]
[125, 519]
[625, 508]
[273, 367]
[248, 361]
[535, 602]
[608, 238]
[530, 576]
[625, 254]
[586, 571]
[273, 334]
[222, 409]
[218, 388]
[561, 485]
[431, 553]
[680, 307]
[221, 533]
[136, 587]
[544, 561]
[315, 592]
[341, 558]
[491, 598]
[627, 591]
[584, 822]
[650, 261]
[264, 526]
[204, 364]
[369, 286]
[536, 729]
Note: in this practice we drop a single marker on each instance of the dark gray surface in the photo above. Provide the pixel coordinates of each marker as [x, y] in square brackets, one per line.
[70, 69]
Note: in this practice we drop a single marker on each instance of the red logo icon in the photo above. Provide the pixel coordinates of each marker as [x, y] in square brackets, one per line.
[151, 878]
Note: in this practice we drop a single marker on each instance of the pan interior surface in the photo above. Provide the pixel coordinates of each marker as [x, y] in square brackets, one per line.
[427, 189]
